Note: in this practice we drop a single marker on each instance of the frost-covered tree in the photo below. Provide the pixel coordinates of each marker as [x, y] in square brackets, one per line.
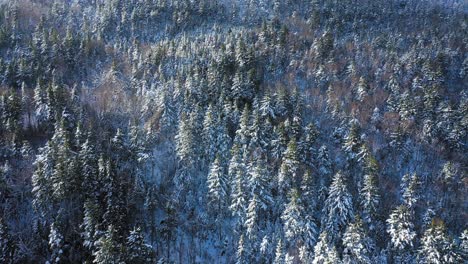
[289, 169]
[352, 141]
[411, 190]
[279, 252]
[338, 210]
[108, 249]
[260, 184]
[358, 247]
[56, 245]
[7, 244]
[400, 227]
[217, 185]
[138, 251]
[370, 200]
[437, 247]
[324, 251]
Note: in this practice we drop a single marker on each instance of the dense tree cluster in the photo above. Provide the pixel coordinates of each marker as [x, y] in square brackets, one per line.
[157, 131]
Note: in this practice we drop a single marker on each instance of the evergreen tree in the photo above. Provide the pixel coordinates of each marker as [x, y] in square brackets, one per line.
[56, 244]
[401, 228]
[289, 170]
[242, 251]
[217, 185]
[137, 251]
[338, 209]
[259, 184]
[239, 185]
[370, 200]
[298, 225]
[437, 247]
[325, 252]
[411, 190]
[279, 253]
[353, 141]
[108, 250]
[90, 226]
[7, 244]
[185, 141]
[358, 247]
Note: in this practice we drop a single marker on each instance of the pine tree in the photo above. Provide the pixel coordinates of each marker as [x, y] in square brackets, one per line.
[242, 252]
[362, 89]
[411, 190]
[217, 185]
[56, 245]
[298, 225]
[90, 226]
[338, 209]
[237, 169]
[353, 141]
[401, 228]
[209, 134]
[358, 247]
[89, 168]
[370, 200]
[137, 251]
[251, 222]
[309, 192]
[42, 186]
[437, 247]
[259, 184]
[289, 170]
[306, 143]
[7, 244]
[279, 253]
[116, 207]
[185, 141]
[108, 250]
[325, 252]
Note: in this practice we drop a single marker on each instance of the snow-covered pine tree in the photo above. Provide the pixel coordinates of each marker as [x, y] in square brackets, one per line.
[437, 247]
[7, 244]
[279, 252]
[324, 251]
[400, 227]
[290, 166]
[370, 200]
[56, 245]
[138, 251]
[217, 185]
[108, 250]
[358, 246]
[411, 190]
[338, 210]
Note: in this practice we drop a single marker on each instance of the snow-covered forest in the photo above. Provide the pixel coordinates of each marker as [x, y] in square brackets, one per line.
[233, 131]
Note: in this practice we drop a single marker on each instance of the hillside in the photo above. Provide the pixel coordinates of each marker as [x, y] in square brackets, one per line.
[216, 131]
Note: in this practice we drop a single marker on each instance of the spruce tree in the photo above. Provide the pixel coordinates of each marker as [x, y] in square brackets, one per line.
[338, 210]
[358, 247]
[138, 251]
[437, 247]
[7, 244]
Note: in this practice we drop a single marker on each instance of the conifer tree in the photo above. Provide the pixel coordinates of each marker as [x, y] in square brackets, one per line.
[56, 244]
[437, 247]
[401, 228]
[289, 170]
[138, 251]
[324, 251]
[7, 244]
[108, 249]
[358, 247]
[338, 210]
[217, 185]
